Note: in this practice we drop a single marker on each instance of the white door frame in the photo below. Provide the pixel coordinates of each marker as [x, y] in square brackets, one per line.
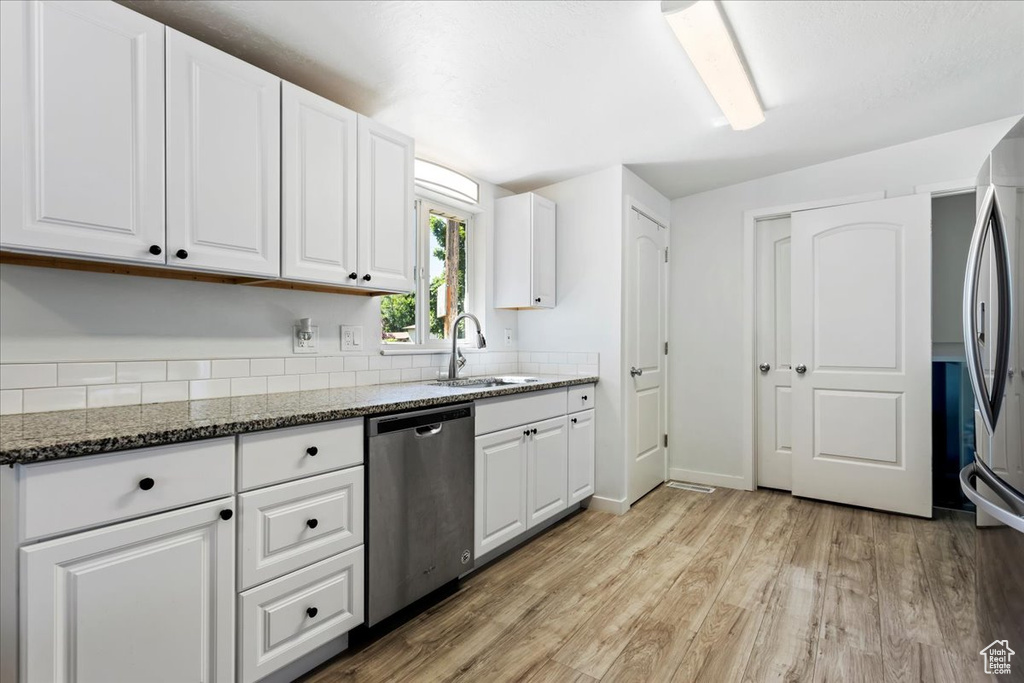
[750, 219]
[632, 204]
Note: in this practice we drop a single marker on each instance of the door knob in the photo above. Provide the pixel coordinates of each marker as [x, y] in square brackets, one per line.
[636, 372]
[764, 367]
[801, 369]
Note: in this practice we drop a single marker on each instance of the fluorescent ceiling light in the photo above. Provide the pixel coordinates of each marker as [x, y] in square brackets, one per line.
[446, 181]
[699, 26]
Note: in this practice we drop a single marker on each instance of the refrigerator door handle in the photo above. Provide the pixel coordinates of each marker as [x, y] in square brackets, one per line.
[979, 470]
[989, 225]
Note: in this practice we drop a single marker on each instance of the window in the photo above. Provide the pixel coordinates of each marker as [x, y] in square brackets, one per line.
[422, 318]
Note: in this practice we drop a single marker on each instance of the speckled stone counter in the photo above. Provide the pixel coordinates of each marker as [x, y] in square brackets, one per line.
[35, 437]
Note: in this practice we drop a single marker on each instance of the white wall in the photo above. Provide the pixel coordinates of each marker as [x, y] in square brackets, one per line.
[58, 315]
[706, 281]
[588, 310]
[952, 225]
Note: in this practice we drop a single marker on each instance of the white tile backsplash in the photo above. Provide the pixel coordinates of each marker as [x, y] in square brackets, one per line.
[188, 369]
[41, 387]
[77, 374]
[28, 376]
[142, 371]
[58, 398]
[109, 395]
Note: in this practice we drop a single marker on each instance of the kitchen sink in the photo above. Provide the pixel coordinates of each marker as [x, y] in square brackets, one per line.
[483, 382]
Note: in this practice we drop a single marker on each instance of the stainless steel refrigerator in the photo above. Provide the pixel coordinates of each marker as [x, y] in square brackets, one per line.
[994, 339]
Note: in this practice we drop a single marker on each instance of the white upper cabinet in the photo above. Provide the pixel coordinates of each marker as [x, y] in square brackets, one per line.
[318, 186]
[223, 161]
[82, 129]
[387, 233]
[524, 235]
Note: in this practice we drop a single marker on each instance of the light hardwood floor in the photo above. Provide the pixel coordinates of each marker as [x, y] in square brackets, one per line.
[731, 586]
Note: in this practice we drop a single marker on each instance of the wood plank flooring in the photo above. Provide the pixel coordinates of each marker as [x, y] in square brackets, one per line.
[731, 586]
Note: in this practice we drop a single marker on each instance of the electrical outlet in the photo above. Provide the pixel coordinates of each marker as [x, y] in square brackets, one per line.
[300, 345]
[351, 337]
[508, 336]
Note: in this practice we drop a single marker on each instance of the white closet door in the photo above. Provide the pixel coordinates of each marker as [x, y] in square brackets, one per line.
[861, 306]
[82, 130]
[318, 161]
[223, 161]
[387, 231]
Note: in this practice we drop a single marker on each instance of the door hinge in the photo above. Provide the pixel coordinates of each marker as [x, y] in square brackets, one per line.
[666, 348]
[666, 441]
[666, 254]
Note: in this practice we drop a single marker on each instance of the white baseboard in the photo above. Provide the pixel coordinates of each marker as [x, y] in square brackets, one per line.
[616, 507]
[729, 481]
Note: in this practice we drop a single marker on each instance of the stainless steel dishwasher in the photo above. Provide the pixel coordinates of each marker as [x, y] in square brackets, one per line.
[419, 483]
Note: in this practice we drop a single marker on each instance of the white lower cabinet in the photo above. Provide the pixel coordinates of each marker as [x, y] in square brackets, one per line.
[500, 500]
[547, 471]
[291, 616]
[581, 455]
[146, 600]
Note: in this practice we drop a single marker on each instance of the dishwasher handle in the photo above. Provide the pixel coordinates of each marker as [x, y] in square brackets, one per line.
[428, 430]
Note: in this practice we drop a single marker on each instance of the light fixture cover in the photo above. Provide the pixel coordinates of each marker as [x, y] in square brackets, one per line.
[446, 181]
[700, 28]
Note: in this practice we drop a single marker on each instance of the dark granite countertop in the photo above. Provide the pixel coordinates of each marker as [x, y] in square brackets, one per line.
[35, 437]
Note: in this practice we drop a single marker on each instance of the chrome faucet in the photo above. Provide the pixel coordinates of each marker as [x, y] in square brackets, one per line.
[458, 360]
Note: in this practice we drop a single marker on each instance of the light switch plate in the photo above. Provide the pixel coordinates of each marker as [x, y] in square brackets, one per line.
[305, 345]
[351, 337]
[508, 336]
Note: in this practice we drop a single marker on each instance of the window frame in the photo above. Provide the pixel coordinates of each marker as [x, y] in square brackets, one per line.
[423, 343]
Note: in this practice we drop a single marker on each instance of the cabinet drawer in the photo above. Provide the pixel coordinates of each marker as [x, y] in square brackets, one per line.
[285, 527]
[84, 492]
[275, 622]
[504, 412]
[581, 398]
[284, 454]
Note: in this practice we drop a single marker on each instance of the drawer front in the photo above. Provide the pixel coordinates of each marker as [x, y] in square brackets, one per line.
[505, 412]
[275, 622]
[90, 491]
[582, 398]
[295, 452]
[288, 526]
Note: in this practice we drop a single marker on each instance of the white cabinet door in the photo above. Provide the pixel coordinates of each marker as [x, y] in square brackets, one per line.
[387, 231]
[318, 188]
[581, 456]
[547, 471]
[223, 161]
[148, 600]
[82, 130]
[500, 488]
[542, 277]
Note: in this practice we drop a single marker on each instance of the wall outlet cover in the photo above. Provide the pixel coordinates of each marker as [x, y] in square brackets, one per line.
[508, 336]
[305, 345]
[351, 337]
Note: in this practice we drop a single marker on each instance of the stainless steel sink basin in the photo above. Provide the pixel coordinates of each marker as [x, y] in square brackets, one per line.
[485, 382]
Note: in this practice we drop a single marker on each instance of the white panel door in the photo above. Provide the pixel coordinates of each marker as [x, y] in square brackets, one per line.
[646, 302]
[387, 231]
[544, 245]
[147, 600]
[500, 488]
[223, 161]
[82, 130]
[774, 406]
[581, 455]
[318, 188]
[861, 303]
[547, 471]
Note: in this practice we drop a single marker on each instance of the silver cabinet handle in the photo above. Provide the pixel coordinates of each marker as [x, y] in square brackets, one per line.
[634, 372]
[800, 369]
[978, 470]
[764, 367]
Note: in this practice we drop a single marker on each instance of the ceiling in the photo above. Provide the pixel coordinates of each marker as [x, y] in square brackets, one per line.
[522, 94]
